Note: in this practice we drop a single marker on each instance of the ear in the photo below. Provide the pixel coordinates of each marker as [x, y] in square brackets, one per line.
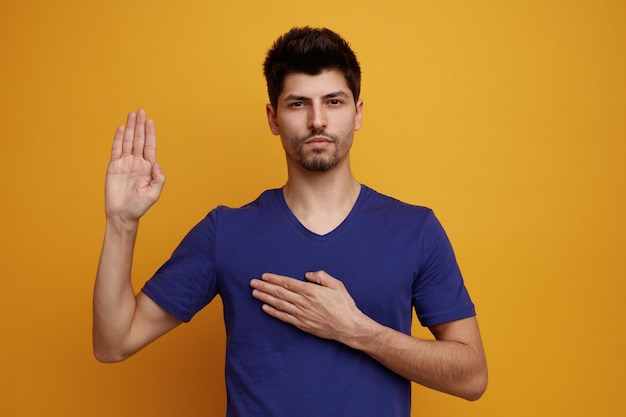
[358, 118]
[271, 119]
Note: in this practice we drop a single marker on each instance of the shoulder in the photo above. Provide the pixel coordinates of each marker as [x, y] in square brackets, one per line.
[267, 205]
[267, 200]
[377, 202]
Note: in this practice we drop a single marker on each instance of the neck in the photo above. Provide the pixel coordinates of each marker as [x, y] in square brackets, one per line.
[321, 200]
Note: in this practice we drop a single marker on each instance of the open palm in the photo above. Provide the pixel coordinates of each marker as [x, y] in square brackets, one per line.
[134, 179]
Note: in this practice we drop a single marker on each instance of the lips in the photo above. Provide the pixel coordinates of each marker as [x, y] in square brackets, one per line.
[319, 139]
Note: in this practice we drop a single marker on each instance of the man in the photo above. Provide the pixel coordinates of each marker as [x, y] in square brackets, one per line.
[318, 279]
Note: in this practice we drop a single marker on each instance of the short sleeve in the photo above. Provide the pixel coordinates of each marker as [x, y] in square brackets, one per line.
[439, 293]
[187, 281]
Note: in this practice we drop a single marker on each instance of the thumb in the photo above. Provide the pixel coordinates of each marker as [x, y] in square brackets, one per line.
[157, 174]
[320, 277]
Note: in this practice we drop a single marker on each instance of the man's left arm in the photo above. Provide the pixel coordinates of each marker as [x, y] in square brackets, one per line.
[453, 363]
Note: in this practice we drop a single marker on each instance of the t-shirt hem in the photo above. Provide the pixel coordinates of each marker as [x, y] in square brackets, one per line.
[171, 309]
[447, 317]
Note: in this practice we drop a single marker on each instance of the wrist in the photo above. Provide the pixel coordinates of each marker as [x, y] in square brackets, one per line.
[365, 329]
[119, 224]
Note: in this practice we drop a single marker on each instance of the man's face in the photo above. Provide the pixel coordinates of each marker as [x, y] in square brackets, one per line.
[316, 118]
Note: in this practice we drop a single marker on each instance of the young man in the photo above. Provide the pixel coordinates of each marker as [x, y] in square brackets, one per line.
[318, 279]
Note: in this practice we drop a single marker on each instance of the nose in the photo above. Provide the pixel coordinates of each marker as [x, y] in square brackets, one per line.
[318, 119]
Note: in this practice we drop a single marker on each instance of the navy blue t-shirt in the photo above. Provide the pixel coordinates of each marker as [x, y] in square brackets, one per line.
[390, 256]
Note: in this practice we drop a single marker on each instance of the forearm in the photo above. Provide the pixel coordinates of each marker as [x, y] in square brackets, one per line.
[114, 299]
[453, 367]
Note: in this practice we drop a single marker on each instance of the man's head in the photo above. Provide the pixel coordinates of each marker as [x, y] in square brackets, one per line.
[310, 51]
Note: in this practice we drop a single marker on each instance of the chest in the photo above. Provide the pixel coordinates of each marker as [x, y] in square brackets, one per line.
[377, 267]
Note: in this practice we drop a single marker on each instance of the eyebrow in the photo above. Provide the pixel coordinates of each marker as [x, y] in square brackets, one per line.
[329, 95]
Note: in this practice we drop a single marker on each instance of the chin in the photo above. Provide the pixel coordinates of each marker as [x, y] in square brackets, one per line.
[319, 164]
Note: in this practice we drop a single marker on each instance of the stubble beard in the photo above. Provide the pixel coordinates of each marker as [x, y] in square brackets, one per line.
[317, 160]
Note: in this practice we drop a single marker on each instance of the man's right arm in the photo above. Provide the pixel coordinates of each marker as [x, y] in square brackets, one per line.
[123, 322]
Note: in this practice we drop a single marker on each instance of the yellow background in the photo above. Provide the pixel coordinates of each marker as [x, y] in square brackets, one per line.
[506, 117]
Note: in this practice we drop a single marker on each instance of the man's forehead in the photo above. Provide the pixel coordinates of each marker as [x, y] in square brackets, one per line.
[329, 82]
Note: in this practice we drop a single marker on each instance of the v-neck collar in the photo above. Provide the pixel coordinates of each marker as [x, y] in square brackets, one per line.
[312, 235]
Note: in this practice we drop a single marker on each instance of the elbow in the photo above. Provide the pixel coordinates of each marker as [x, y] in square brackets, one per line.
[107, 357]
[107, 354]
[474, 394]
[475, 388]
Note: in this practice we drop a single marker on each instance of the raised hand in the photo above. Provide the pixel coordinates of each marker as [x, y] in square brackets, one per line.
[134, 178]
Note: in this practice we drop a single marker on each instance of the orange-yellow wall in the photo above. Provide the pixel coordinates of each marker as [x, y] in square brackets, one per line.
[507, 117]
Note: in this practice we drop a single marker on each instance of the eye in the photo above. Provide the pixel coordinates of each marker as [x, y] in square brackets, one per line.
[335, 102]
[296, 104]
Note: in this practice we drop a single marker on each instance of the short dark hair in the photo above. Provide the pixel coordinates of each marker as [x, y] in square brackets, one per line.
[310, 51]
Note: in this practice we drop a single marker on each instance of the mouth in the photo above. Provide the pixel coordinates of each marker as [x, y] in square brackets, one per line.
[319, 139]
[318, 143]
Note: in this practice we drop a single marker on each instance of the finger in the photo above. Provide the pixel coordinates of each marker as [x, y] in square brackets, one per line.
[149, 149]
[116, 150]
[276, 302]
[140, 133]
[280, 315]
[273, 293]
[262, 288]
[287, 283]
[268, 299]
[129, 132]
